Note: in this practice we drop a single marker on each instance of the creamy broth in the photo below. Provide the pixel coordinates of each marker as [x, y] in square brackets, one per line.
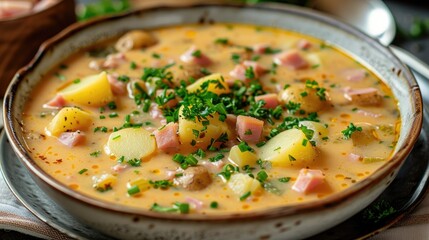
[345, 156]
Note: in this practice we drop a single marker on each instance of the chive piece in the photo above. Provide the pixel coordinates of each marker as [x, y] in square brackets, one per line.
[76, 81]
[197, 53]
[183, 207]
[111, 105]
[95, 154]
[133, 65]
[350, 130]
[82, 171]
[284, 179]
[113, 115]
[60, 76]
[102, 117]
[156, 55]
[124, 78]
[146, 105]
[261, 176]
[244, 147]
[245, 196]
[291, 158]
[214, 205]
[304, 94]
[116, 137]
[133, 190]
[223, 41]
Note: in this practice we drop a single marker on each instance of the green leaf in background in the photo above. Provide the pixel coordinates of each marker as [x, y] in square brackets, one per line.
[102, 7]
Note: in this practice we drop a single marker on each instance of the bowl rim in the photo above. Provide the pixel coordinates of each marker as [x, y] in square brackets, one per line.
[268, 213]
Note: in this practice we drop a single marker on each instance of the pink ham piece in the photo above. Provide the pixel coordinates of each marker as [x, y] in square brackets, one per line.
[195, 203]
[201, 59]
[118, 168]
[354, 75]
[213, 167]
[55, 103]
[114, 60]
[71, 139]
[155, 112]
[249, 129]
[291, 59]
[303, 44]
[118, 87]
[259, 48]
[231, 120]
[167, 139]
[171, 103]
[239, 71]
[307, 180]
[354, 157]
[364, 96]
[271, 100]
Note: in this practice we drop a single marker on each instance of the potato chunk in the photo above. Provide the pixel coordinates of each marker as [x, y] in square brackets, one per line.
[141, 183]
[194, 178]
[90, 91]
[104, 182]
[366, 136]
[308, 98]
[241, 184]
[69, 119]
[193, 134]
[241, 159]
[218, 86]
[288, 148]
[131, 143]
[320, 130]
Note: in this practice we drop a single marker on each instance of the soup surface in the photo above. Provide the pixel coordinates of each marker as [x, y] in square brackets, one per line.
[209, 119]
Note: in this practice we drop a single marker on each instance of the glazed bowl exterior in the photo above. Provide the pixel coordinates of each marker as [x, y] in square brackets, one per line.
[288, 222]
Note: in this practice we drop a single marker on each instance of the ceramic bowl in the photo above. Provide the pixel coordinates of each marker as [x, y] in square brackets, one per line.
[21, 36]
[289, 222]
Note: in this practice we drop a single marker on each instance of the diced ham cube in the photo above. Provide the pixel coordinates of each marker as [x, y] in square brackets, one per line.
[239, 71]
[291, 59]
[200, 59]
[155, 112]
[249, 129]
[114, 60]
[259, 48]
[118, 87]
[354, 75]
[55, 103]
[167, 139]
[195, 203]
[364, 96]
[307, 180]
[303, 44]
[258, 70]
[271, 100]
[119, 167]
[213, 167]
[71, 139]
[172, 102]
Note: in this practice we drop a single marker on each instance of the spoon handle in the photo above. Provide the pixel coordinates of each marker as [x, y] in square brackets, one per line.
[419, 68]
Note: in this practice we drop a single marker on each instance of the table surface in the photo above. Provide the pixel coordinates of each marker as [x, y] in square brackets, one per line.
[404, 13]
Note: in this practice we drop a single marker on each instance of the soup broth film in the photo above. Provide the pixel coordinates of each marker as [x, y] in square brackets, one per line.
[210, 119]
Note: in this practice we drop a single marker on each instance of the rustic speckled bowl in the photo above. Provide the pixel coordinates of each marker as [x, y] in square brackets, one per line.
[287, 222]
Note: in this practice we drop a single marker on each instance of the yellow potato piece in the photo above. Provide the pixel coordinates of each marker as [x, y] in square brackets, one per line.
[90, 91]
[213, 87]
[241, 159]
[241, 184]
[308, 98]
[287, 149]
[69, 119]
[142, 183]
[131, 143]
[320, 130]
[104, 182]
[187, 136]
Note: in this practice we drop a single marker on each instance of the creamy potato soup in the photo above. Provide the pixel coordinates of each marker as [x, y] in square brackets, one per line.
[209, 119]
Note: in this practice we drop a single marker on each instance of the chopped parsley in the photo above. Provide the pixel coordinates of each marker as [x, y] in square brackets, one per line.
[245, 196]
[197, 53]
[156, 55]
[214, 205]
[177, 207]
[244, 147]
[284, 179]
[133, 65]
[227, 171]
[235, 57]
[123, 78]
[261, 176]
[162, 184]
[112, 105]
[133, 190]
[217, 157]
[223, 41]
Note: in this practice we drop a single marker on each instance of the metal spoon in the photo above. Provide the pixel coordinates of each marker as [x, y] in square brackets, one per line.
[374, 18]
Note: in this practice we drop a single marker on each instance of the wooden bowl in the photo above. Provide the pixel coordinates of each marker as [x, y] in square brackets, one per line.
[21, 36]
